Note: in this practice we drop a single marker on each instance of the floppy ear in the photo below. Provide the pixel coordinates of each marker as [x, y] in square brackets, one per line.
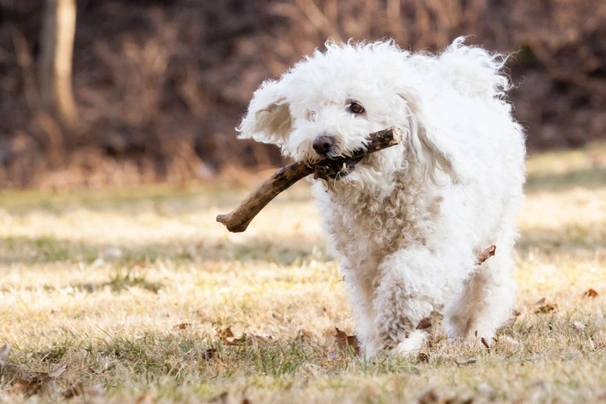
[431, 152]
[268, 118]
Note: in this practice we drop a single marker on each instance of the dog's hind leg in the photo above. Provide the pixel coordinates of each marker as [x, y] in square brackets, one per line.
[412, 285]
[486, 300]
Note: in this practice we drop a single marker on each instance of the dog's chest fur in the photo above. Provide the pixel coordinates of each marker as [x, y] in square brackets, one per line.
[364, 227]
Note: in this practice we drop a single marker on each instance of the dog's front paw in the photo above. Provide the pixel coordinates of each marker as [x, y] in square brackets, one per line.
[412, 344]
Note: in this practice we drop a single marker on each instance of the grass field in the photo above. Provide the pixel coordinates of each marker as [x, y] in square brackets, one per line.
[139, 296]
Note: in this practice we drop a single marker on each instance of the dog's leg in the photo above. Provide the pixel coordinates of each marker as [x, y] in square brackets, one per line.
[360, 295]
[412, 284]
[486, 300]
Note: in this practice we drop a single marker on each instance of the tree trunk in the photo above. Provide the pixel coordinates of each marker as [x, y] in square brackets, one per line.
[57, 43]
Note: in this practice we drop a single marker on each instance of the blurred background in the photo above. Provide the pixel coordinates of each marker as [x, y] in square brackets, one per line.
[121, 92]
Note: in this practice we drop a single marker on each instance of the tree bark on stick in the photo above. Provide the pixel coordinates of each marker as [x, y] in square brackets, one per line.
[55, 68]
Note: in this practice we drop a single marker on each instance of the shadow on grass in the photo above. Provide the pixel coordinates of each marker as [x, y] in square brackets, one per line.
[122, 281]
[574, 240]
[285, 251]
[590, 178]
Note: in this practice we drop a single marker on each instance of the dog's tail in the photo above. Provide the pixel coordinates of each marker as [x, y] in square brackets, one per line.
[475, 71]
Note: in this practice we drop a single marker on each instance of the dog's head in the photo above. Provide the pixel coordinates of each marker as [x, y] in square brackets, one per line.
[326, 106]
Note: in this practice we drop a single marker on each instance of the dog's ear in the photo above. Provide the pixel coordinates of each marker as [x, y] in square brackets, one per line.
[268, 119]
[430, 151]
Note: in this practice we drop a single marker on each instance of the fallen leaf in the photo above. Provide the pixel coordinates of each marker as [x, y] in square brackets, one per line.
[487, 253]
[38, 381]
[590, 293]
[546, 308]
[238, 341]
[182, 326]
[346, 342]
[209, 354]
[423, 358]
[26, 387]
[424, 324]
[225, 333]
[227, 337]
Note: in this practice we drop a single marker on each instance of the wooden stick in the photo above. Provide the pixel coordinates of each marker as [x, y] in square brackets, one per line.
[239, 219]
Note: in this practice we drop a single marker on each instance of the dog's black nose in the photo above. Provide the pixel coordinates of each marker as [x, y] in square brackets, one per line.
[324, 144]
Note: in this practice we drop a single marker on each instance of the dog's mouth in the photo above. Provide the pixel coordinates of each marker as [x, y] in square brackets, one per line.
[337, 167]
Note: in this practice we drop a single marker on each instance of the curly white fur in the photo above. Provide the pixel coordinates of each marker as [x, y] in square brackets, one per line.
[409, 221]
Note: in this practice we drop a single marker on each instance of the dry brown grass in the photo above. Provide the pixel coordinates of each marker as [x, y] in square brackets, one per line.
[134, 292]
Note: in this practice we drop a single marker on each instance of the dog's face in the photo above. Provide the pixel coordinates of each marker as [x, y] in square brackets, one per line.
[328, 104]
[334, 102]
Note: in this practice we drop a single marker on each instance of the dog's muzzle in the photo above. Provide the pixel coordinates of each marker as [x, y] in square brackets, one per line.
[324, 145]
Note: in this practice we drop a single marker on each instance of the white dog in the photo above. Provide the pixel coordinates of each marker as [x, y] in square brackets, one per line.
[407, 223]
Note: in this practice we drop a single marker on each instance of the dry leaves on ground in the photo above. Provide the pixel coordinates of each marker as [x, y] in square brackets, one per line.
[590, 293]
[226, 336]
[347, 342]
[182, 326]
[38, 382]
[543, 307]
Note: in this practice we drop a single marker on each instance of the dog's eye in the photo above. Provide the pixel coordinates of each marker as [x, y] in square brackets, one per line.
[355, 108]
